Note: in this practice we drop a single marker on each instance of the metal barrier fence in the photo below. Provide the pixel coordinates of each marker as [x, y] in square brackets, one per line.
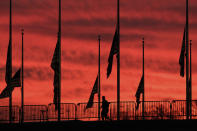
[194, 109]
[87, 114]
[68, 112]
[4, 114]
[154, 110]
[35, 113]
[179, 109]
[127, 110]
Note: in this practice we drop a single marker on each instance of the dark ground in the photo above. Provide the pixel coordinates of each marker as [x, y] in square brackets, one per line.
[147, 125]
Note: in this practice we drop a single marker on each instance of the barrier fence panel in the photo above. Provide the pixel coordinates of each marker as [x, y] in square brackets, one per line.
[4, 114]
[87, 114]
[178, 110]
[127, 109]
[194, 109]
[35, 113]
[153, 110]
[68, 111]
[157, 110]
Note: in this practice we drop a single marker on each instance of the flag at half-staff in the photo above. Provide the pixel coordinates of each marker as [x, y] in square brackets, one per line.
[8, 74]
[15, 82]
[55, 65]
[182, 56]
[94, 91]
[114, 50]
[139, 91]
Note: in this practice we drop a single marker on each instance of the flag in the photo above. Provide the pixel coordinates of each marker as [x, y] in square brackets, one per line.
[94, 91]
[6, 92]
[182, 56]
[114, 50]
[8, 74]
[55, 64]
[139, 91]
[15, 82]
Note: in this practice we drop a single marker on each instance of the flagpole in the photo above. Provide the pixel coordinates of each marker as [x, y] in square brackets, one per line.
[187, 61]
[143, 79]
[118, 65]
[59, 90]
[190, 79]
[99, 80]
[22, 85]
[10, 39]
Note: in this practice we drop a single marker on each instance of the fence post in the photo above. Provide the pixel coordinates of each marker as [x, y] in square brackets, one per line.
[20, 115]
[75, 111]
[170, 110]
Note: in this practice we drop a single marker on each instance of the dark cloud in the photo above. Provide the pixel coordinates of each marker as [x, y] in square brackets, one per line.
[44, 73]
[106, 87]
[88, 29]
[155, 65]
[46, 6]
[79, 57]
[76, 93]
[87, 26]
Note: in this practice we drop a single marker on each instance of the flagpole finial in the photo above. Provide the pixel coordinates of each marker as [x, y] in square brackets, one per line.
[190, 42]
[99, 37]
[22, 30]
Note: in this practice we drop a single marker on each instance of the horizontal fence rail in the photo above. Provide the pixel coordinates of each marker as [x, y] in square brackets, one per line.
[153, 110]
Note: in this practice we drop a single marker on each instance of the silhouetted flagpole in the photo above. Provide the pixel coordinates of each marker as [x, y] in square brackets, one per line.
[10, 39]
[99, 79]
[143, 79]
[118, 64]
[187, 62]
[59, 89]
[190, 79]
[22, 84]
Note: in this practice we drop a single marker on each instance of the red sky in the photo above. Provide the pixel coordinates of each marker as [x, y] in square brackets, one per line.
[160, 22]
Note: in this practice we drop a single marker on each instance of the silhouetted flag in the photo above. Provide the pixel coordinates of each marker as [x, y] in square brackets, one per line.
[139, 91]
[94, 91]
[114, 50]
[182, 56]
[15, 82]
[8, 74]
[55, 64]
[6, 92]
